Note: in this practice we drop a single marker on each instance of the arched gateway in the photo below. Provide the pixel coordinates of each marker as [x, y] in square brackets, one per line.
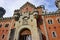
[26, 25]
[25, 34]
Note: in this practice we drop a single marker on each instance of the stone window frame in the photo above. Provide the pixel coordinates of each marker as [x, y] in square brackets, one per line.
[54, 34]
[49, 19]
[57, 19]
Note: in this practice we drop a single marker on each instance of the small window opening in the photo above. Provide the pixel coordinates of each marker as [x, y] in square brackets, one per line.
[58, 20]
[3, 36]
[0, 25]
[54, 34]
[6, 25]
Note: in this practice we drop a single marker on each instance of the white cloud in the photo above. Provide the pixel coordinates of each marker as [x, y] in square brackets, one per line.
[11, 5]
[1, 2]
[14, 5]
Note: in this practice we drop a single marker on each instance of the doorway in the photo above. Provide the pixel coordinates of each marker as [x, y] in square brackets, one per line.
[25, 34]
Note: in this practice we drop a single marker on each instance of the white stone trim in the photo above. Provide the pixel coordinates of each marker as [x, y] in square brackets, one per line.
[46, 32]
[34, 32]
[55, 34]
[57, 19]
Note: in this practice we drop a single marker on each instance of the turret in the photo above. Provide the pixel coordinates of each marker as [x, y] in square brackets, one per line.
[16, 15]
[58, 4]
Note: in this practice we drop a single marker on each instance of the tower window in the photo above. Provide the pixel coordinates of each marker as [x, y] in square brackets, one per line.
[3, 36]
[58, 20]
[0, 25]
[6, 25]
[49, 21]
[54, 34]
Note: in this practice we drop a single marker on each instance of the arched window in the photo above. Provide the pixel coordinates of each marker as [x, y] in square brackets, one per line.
[3, 36]
[54, 34]
[50, 22]
[6, 25]
[58, 20]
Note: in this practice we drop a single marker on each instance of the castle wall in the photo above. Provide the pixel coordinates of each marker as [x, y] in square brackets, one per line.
[54, 27]
[5, 30]
[37, 23]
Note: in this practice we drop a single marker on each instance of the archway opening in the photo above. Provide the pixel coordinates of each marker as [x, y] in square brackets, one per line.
[25, 34]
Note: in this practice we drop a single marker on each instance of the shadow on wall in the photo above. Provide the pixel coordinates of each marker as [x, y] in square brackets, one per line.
[43, 37]
[11, 37]
[39, 20]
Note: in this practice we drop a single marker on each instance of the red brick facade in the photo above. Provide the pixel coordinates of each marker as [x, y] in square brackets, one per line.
[48, 24]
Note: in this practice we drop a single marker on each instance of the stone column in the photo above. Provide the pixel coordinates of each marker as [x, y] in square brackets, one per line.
[46, 32]
[35, 35]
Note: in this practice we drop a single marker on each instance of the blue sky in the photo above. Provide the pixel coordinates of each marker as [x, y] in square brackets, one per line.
[11, 5]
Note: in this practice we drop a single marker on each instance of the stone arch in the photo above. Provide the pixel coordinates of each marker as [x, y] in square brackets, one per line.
[23, 28]
[34, 32]
[25, 34]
